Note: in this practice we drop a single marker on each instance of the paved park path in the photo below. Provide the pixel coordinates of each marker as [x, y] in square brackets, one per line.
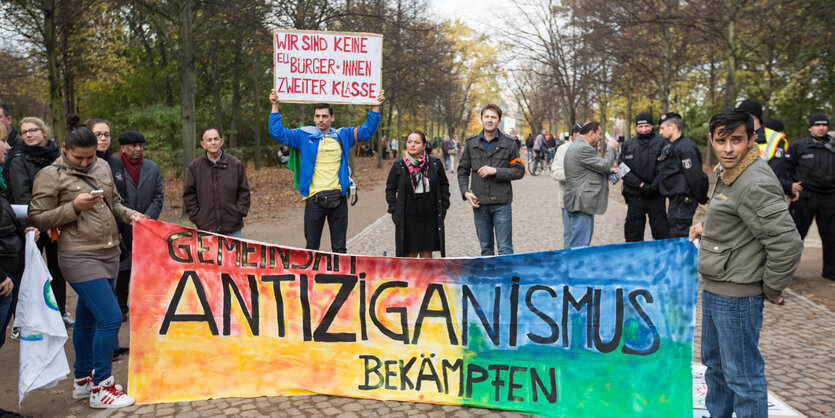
[797, 341]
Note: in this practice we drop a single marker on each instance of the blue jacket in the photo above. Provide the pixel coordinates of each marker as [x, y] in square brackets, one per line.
[306, 140]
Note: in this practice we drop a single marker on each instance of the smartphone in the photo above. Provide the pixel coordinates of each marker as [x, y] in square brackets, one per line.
[97, 193]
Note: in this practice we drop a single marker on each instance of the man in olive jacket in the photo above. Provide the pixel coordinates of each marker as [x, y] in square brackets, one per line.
[749, 251]
[586, 182]
[489, 163]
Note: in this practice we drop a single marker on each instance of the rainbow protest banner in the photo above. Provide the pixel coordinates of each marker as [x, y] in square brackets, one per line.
[598, 331]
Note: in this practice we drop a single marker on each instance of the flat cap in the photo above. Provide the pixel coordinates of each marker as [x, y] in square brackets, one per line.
[131, 137]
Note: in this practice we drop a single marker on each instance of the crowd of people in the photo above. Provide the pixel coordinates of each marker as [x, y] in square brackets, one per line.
[82, 200]
[81, 203]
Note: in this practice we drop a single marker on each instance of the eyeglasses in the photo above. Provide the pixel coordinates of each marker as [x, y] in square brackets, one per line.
[102, 134]
[30, 131]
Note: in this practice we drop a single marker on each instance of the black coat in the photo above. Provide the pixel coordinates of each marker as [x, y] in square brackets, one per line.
[396, 185]
[24, 164]
[11, 243]
[680, 170]
[810, 160]
[641, 156]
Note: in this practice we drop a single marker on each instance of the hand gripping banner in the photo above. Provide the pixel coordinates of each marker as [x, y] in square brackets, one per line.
[597, 331]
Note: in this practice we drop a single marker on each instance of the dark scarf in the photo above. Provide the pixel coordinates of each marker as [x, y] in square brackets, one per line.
[132, 166]
[648, 135]
[41, 156]
[104, 155]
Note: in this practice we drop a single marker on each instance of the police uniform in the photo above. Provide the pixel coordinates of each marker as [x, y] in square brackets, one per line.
[682, 180]
[773, 147]
[640, 153]
[772, 144]
[811, 161]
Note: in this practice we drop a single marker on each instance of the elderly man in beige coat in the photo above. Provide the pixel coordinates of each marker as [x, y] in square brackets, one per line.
[558, 174]
[586, 183]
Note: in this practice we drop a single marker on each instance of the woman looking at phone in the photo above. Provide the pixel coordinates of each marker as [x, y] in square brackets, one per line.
[32, 154]
[88, 254]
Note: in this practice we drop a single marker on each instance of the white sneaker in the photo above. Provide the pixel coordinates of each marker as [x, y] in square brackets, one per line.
[107, 395]
[81, 387]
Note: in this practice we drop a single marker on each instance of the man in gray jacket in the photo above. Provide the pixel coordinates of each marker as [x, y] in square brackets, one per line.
[586, 182]
[489, 163]
[749, 251]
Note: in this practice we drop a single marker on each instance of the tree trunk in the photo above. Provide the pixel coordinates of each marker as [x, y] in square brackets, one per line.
[352, 153]
[215, 83]
[711, 86]
[236, 91]
[163, 57]
[149, 59]
[255, 111]
[602, 104]
[730, 81]
[629, 122]
[187, 86]
[399, 142]
[56, 104]
[666, 71]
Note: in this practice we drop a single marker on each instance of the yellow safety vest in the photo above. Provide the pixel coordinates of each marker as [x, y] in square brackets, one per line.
[774, 139]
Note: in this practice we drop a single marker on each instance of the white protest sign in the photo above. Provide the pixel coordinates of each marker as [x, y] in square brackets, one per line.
[330, 67]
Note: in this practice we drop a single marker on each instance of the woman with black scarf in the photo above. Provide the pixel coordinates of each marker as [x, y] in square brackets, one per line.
[33, 153]
[417, 192]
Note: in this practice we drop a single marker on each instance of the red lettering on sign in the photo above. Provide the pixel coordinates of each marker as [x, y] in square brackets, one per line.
[287, 42]
[314, 43]
[350, 44]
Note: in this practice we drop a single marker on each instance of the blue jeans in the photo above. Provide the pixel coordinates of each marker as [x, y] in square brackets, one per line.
[96, 330]
[566, 228]
[537, 159]
[498, 217]
[582, 228]
[549, 153]
[236, 234]
[735, 374]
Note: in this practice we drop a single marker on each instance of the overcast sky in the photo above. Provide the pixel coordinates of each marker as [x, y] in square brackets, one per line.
[476, 11]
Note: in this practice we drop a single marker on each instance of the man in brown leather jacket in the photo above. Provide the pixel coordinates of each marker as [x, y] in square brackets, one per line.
[216, 195]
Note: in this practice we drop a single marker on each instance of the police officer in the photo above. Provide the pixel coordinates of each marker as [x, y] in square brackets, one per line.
[680, 176]
[810, 162]
[772, 143]
[640, 188]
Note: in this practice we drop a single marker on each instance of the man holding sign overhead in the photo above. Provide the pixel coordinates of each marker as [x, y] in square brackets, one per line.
[323, 168]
